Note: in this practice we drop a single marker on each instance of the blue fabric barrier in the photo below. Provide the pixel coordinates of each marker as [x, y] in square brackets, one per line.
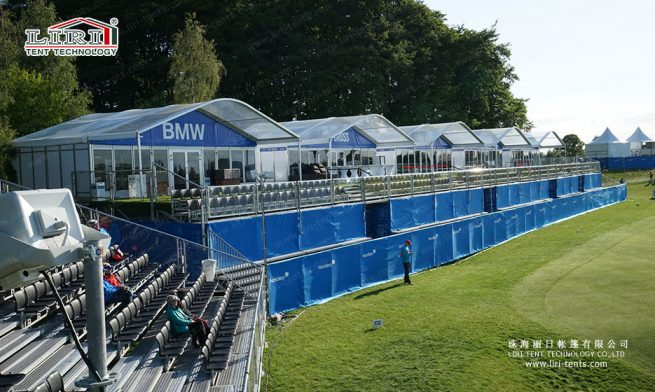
[414, 211]
[444, 206]
[514, 194]
[476, 234]
[502, 196]
[326, 226]
[374, 264]
[320, 227]
[346, 272]
[524, 193]
[461, 201]
[423, 255]
[530, 220]
[461, 239]
[489, 235]
[286, 288]
[539, 211]
[315, 278]
[544, 192]
[628, 163]
[510, 216]
[443, 244]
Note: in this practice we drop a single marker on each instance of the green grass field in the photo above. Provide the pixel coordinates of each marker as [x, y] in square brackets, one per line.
[591, 277]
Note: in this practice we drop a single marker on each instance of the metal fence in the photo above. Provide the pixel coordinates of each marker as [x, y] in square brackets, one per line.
[202, 204]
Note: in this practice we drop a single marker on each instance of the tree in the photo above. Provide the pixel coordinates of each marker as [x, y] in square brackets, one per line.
[38, 101]
[573, 145]
[195, 70]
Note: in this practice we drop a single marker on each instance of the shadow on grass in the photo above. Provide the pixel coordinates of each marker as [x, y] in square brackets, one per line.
[378, 291]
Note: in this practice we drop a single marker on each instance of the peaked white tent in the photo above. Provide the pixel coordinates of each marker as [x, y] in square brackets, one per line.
[607, 145]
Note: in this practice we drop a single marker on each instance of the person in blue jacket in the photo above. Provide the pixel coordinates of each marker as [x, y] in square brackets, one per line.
[114, 294]
[406, 257]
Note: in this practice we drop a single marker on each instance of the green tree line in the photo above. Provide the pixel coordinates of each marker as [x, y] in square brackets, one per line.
[290, 59]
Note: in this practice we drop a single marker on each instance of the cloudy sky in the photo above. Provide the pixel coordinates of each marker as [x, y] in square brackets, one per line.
[583, 64]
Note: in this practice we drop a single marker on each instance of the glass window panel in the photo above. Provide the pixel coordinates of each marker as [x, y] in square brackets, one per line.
[193, 164]
[123, 163]
[237, 160]
[161, 158]
[223, 160]
[250, 165]
[293, 162]
[179, 168]
[209, 162]
[102, 166]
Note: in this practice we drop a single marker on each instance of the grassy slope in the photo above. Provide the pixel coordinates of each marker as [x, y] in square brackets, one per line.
[589, 277]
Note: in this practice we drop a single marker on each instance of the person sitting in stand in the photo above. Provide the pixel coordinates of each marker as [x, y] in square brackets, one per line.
[182, 324]
[115, 291]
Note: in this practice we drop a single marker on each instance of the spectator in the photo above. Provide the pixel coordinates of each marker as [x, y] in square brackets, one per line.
[406, 257]
[182, 324]
[126, 295]
[115, 294]
[179, 295]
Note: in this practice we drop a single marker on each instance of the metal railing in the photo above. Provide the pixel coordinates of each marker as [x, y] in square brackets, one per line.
[247, 199]
[252, 377]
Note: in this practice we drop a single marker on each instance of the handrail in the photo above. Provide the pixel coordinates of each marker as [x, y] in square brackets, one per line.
[312, 193]
[254, 349]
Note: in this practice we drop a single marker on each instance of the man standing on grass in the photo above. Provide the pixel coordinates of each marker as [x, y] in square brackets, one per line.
[406, 257]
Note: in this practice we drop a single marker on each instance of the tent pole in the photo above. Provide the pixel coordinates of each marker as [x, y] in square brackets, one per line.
[299, 162]
[138, 146]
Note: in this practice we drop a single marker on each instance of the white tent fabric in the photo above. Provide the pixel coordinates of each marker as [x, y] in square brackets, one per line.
[607, 145]
[374, 127]
[457, 134]
[549, 140]
[606, 137]
[511, 138]
[126, 124]
[638, 136]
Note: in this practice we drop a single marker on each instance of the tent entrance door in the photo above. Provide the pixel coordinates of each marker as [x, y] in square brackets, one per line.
[186, 164]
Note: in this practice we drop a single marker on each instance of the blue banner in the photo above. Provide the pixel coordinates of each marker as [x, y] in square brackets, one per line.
[410, 211]
[461, 239]
[489, 236]
[320, 227]
[476, 234]
[346, 271]
[444, 206]
[374, 265]
[351, 138]
[286, 288]
[194, 129]
[314, 278]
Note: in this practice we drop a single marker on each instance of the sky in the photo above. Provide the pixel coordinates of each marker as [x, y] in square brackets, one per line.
[584, 65]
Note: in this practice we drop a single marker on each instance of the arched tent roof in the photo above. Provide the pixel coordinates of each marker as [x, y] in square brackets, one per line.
[548, 139]
[367, 130]
[638, 136]
[455, 134]
[606, 137]
[122, 127]
[503, 137]
[532, 139]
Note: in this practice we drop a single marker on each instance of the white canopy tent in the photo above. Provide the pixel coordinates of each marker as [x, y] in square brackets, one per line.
[350, 145]
[517, 150]
[193, 142]
[607, 145]
[638, 141]
[443, 146]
